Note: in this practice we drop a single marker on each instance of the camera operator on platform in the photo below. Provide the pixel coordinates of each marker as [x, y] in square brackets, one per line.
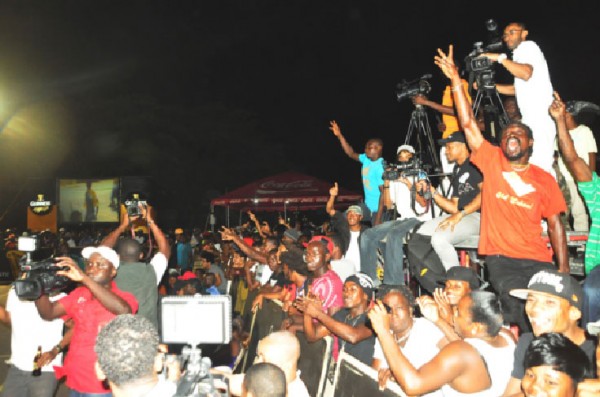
[462, 210]
[532, 88]
[516, 197]
[90, 306]
[397, 196]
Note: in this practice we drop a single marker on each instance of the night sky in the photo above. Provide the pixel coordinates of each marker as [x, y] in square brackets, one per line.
[203, 97]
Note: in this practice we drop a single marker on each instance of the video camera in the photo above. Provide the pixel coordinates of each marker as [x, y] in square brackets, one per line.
[414, 167]
[479, 67]
[410, 89]
[38, 278]
[184, 319]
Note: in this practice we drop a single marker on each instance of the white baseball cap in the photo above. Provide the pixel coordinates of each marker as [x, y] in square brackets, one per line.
[107, 253]
[408, 148]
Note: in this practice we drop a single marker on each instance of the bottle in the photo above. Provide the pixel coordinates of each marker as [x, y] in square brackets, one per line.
[37, 371]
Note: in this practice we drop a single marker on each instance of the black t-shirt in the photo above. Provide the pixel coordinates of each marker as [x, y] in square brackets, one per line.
[465, 183]
[362, 350]
[588, 347]
[277, 279]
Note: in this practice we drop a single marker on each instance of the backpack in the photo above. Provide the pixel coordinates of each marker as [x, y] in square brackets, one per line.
[424, 263]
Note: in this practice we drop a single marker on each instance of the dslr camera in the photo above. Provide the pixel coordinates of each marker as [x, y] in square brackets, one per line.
[410, 89]
[39, 277]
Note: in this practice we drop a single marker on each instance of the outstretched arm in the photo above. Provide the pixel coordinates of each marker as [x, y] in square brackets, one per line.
[522, 71]
[463, 107]
[558, 241]
[335, 128]
[422, 100]
[576, 165]
[333, 192]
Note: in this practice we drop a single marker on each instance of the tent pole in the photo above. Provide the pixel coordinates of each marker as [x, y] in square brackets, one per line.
[227, 216]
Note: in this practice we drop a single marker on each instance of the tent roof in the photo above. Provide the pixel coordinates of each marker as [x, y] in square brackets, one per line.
[297, 191]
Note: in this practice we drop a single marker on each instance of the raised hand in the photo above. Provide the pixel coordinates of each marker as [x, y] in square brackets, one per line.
[335, 128]
[333, 191]
[446, 62]
[558, 109]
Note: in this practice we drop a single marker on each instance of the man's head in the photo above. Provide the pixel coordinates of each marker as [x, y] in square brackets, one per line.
[186, 284]
[553, 302]
[209, 280]
[317, 255]
[405, 153]
[401, 302]
[512, 108]
[129, 250]
[514, 34]
[127, 351]
[273, 260]
[282, 349]
[338, 250]
[358, 290]
[354, 215]
[101, 263]
[373, 148]
[294, 265]
[264, 380]
[478, 314]
[290, 236]
[554, 366]
[460, 281]
[517, 141]
[456, 147]
[206, 259]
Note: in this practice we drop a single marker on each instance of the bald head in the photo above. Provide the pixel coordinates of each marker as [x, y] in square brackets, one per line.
[129, 250]
[282, 349]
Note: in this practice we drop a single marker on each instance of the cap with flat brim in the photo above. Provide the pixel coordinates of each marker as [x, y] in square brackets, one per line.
[107, 253]
[457, 136]
[553, 283]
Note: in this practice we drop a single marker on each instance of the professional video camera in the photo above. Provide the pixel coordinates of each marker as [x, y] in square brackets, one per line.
[409, 89]
[39, 277]
[480, 68]
[184, 320]
[414, 167]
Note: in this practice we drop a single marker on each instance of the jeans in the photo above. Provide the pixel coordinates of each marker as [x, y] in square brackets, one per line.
[443, 241]
[591, 298]
[73, 393]
[393, 251]
[22, 384]
[506, 274]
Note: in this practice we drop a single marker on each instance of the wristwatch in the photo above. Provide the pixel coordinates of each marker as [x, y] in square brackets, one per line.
[501, 58]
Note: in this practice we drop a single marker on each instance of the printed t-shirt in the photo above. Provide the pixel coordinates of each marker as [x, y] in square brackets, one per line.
[513, 205]
[590, 191]
[328, 288]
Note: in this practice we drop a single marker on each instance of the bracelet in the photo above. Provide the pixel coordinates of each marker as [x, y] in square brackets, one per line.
[57, 347]
[455, 88]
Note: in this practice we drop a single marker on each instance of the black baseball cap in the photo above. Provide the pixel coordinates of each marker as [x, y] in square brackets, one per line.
[457, 136]
[462, 273]
[553, 283]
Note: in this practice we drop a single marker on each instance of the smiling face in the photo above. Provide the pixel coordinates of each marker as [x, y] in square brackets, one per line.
[516, 143]
[353, 218]
[100, 269]
[455, 290]
[545, 381]
[550, 313]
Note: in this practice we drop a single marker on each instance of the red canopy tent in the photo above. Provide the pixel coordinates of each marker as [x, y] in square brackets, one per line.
[280, 192]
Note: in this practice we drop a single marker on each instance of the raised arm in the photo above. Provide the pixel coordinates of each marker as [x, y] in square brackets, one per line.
[111, 239]
[335, 128]
[558, 241]
[333, 192]
[576, 165]
[228, 234]
[463, 107]
[422, 100]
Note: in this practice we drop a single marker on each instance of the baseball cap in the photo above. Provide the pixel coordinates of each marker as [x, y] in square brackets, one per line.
[461, 273]
[179, 231]
[408, 148]
[355, 208]
[107, 253]
[457, 136]
[324, 240]
[364, 282]
[553, 283]
[292, 233]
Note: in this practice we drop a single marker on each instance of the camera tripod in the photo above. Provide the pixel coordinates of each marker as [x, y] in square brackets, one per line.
[494, 114]
[419, 122]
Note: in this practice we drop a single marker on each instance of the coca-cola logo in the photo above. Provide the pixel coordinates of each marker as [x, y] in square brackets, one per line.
[303, 185]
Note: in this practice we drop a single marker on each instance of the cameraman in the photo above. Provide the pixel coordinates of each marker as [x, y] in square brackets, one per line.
[532, 88]
[397, 196]
[462, 218]
[134, 276]
[90, 306]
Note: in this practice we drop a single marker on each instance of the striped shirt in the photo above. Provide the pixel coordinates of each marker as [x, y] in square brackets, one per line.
[590, 191]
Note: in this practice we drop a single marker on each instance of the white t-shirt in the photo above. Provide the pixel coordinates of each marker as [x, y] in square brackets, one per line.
[400, 196]
[584, 142]
[535, 94]
[343, 267]
[159, 262]
[297, 388]
[29, 331]
[353, 252]
[262, 272]
[420, 347]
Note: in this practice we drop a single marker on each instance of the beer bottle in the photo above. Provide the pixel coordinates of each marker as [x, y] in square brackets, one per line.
[37, 370]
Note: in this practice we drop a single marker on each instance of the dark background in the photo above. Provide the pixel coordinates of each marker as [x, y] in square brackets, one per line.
[201, 97]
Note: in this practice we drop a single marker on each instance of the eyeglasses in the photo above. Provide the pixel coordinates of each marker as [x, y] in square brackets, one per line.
[511, 32]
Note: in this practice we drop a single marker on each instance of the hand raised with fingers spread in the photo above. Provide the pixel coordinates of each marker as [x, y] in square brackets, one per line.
[335, 128]
[446, 62]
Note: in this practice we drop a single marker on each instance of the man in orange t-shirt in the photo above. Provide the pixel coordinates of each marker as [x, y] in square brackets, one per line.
[516, 196]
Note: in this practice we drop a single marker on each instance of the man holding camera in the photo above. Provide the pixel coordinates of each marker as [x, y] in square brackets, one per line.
[90, 306]
[134, 276]
[532, 88]
[462, 210]
[411, 208]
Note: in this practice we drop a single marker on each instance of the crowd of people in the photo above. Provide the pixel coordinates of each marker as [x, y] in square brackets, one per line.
[521, 331]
